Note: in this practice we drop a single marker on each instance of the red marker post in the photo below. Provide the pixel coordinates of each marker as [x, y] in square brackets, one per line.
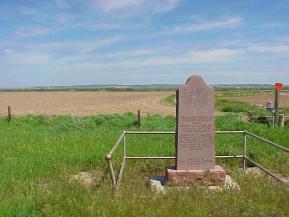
[278, 86]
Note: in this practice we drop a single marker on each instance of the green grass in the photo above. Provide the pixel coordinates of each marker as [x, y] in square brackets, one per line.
[243, 92]
[228, 106]
[171, 99]
[224, 105]
[40, 153]
[284, 110]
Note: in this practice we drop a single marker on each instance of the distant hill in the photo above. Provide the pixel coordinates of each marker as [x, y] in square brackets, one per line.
[151, 87]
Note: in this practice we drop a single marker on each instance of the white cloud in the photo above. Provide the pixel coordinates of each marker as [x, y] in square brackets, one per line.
[112, 5]
[96, 26]
[275, 24]
[26, 57]
[84, 63]
[203, 26]
[266, 48]
[79, 46]
[46, 53]
[282, 39]
[31, 31]
[144, 6]
[139, 52]
[164, 7]
[192, 57]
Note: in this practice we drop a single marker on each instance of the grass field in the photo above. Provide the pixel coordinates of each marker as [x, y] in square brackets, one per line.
[41, 153]
[225, 105]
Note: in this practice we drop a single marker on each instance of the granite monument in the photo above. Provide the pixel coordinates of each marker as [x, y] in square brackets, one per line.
[195, 136]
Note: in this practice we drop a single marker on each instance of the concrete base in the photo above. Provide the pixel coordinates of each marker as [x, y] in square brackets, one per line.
[158, 184]
[211, 177]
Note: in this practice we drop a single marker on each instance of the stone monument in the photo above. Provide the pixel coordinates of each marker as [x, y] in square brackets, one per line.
[195, 136]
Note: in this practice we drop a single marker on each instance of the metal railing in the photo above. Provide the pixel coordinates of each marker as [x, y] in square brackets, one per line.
[271, 118]
[122, 140]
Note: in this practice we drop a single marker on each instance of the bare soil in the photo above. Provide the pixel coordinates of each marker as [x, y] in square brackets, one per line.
[91, 103]
[84, 103]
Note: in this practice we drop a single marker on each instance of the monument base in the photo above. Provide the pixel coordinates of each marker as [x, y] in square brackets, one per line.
[213, 176]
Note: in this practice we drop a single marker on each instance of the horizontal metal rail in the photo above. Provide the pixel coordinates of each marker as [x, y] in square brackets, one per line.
[268, 142]
[266, 116]
[263, 116]
[229, 156]
[173, 132]
[173, 157]
[117, 143]
[150, 132]
[230, 132]
[121, 139]
[264, 169]
[150, 158]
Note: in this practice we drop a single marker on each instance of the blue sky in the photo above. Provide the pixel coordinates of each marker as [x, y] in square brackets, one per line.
[70, 42]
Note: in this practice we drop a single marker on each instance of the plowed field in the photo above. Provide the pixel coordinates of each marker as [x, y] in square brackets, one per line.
[84, 103]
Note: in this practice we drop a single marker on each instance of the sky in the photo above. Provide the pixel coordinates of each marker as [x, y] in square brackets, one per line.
[85, 42]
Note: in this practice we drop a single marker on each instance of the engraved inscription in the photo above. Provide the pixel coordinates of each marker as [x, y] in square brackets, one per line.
[198, 98]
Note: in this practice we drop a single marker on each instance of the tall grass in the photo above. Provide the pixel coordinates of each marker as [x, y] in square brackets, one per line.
[224, 105]
[40, 153]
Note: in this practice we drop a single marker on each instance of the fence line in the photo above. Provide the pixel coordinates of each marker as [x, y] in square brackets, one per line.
[122, 140]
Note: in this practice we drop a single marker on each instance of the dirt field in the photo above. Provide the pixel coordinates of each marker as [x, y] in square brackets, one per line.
[262, 99]
[84, 103]
[90, 103]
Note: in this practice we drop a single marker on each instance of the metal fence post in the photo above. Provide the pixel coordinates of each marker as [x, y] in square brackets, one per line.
[122, 163]
[122, 140]
[9, 117]
[244, 150]
[112, 176]
[276, 107]
[281, 120]
[138, 121]
[124, 146]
